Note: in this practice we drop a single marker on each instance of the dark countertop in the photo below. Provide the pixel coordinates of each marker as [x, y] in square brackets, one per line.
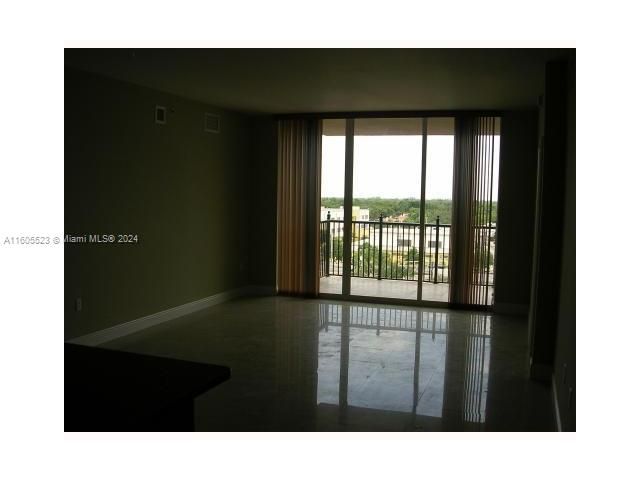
[110, 390]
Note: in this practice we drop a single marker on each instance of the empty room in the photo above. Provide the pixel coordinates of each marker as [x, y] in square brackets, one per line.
[214, 282]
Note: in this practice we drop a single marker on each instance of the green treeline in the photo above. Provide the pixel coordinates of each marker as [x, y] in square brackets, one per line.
[393, 207]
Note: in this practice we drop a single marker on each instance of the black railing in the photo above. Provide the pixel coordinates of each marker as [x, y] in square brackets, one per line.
[390, 250]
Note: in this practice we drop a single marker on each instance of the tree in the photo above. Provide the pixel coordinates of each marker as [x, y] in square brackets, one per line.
[365, 261]
[413, 215]
[336, 248]
[412, 255]
[434, 208]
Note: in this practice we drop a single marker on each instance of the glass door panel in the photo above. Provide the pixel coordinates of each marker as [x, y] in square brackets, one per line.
[332, 206]
[438, 202]
[387, 163]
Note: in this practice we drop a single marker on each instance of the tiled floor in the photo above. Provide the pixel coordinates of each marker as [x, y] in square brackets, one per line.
[323, 365]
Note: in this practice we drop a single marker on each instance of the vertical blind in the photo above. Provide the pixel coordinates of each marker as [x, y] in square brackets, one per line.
[299, 153]
[473, 212]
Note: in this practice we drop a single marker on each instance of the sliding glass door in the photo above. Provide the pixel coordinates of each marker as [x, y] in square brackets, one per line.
[385, 233]
[388, 196]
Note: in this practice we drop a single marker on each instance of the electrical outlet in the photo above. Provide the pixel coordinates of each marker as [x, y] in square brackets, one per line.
[78, 304]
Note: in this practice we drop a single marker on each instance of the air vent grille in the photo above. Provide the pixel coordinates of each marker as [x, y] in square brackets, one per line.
[211, 123]
[161, 114]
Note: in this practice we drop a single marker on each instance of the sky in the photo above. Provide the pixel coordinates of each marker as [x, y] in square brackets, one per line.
[389, 166]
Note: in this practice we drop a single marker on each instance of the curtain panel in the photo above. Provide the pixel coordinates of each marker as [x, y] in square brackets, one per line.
[299, 160]
[473, 214]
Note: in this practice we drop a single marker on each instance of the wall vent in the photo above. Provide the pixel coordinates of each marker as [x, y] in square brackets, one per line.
[211, 123]
[161, 114]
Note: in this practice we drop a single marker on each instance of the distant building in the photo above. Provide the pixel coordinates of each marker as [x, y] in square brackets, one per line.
[398, 218]
[358, 214]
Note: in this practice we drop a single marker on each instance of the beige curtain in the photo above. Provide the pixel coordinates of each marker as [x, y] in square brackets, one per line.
[299, 158]
[473, 214]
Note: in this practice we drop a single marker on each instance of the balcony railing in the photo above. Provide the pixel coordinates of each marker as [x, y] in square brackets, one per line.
[389, 251]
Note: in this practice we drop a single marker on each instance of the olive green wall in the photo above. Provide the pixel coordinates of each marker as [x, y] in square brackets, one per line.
[565, 355]
[550, 223]
[516, 210]
[264, 177]
[183, 191]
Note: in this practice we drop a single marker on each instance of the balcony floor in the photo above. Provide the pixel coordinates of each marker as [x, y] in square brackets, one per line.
[371, 287]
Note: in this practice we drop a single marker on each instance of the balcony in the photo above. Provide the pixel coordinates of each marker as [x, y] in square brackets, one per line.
[385, 259]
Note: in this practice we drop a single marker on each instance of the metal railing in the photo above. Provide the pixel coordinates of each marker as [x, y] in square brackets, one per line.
[390, 250]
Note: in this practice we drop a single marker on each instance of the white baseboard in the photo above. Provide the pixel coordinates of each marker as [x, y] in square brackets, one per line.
[511, 309]
[132, 326]
[556, 405]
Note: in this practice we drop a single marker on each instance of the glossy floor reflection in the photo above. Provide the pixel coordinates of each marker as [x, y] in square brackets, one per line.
[323, 365]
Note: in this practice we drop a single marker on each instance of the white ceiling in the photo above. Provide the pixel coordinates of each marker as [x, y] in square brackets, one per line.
[332, 80]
